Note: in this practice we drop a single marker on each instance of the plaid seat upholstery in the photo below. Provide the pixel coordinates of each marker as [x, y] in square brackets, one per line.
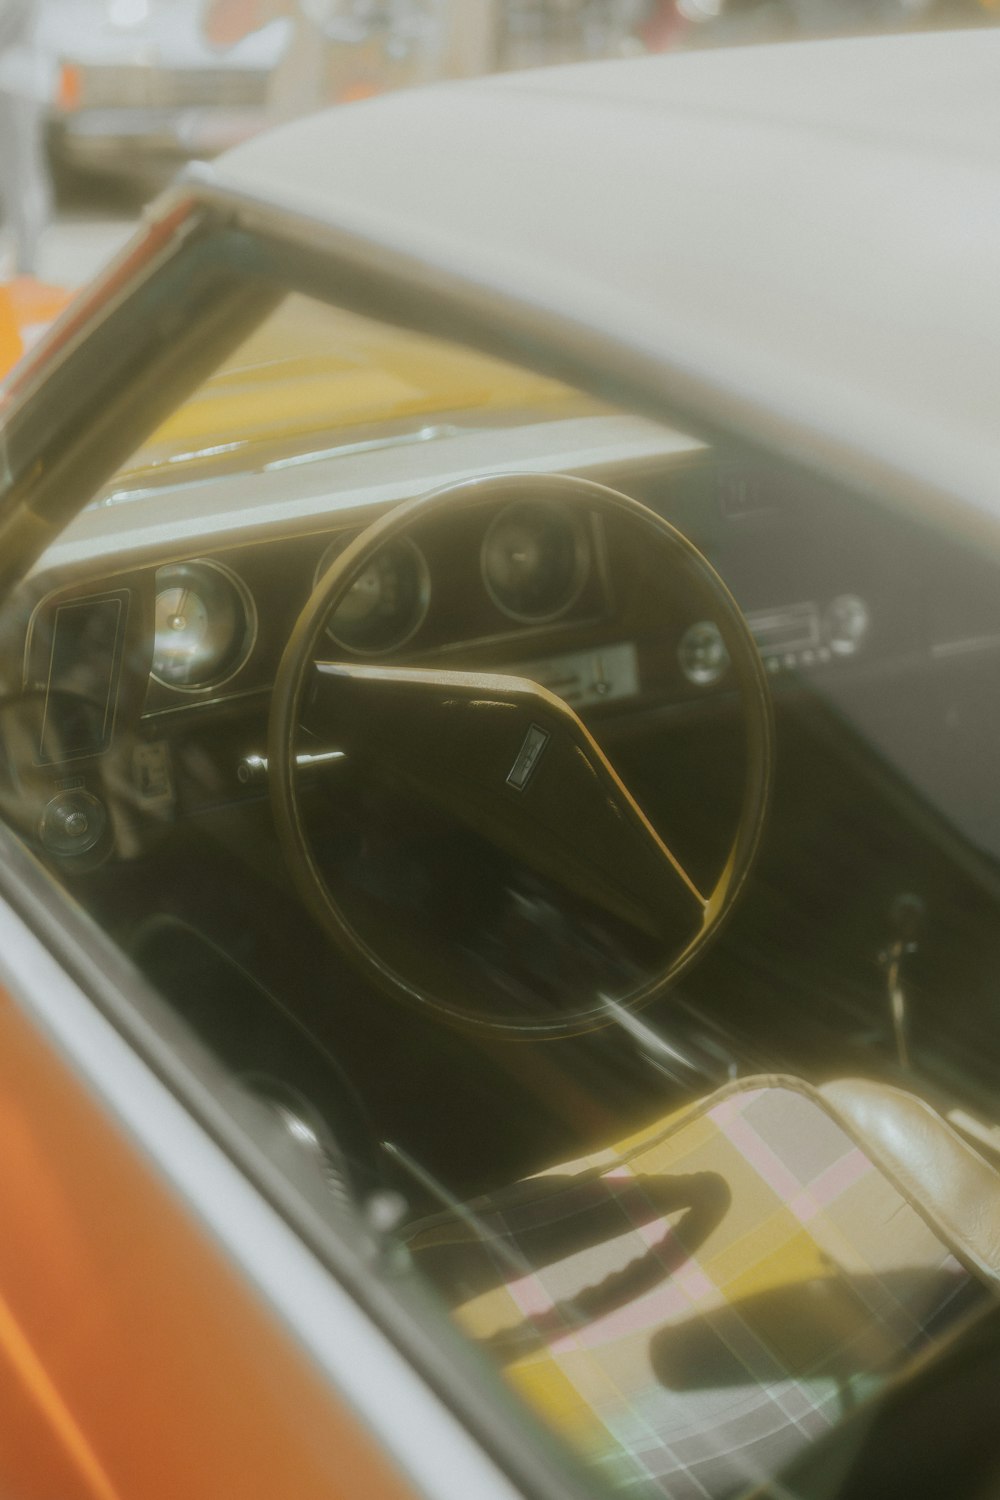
[693, 1306]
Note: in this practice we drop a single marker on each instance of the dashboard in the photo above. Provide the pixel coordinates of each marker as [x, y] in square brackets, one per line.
[165, 617]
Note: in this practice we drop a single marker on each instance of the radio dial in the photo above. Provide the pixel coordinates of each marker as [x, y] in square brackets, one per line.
[702, 654]
[847, 623]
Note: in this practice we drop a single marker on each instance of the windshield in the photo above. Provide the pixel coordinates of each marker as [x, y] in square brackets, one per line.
[578, 845]
[314, 379]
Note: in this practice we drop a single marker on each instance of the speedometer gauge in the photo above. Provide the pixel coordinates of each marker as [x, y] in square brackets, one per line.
[385, 604]
[203, 627]
[534, 560]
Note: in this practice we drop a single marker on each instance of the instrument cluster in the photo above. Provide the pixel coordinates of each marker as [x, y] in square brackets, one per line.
[534, 560]
[209, 628]
[529, 579]
[522, 571]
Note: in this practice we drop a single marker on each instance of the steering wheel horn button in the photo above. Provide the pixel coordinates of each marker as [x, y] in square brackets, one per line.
[528, 757]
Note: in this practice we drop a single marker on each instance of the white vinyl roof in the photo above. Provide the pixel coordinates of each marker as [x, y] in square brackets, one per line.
[812, 229]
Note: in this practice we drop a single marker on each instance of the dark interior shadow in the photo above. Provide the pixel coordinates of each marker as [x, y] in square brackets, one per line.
[559, 1216]
[827, 1326]
[254, 1035]
[444, 905]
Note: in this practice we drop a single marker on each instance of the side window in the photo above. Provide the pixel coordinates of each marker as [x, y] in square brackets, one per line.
[535, 816]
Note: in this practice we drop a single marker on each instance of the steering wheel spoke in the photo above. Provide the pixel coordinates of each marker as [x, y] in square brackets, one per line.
[507, 759]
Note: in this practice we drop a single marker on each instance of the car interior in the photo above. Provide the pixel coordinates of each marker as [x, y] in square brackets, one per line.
[579, 839]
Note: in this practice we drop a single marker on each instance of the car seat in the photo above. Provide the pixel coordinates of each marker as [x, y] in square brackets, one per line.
[694, 1305]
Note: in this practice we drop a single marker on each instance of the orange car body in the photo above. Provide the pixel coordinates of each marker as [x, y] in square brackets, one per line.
[27, 307]
[105, 1391]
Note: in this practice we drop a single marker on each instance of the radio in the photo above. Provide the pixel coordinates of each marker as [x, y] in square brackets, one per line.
[788, 637]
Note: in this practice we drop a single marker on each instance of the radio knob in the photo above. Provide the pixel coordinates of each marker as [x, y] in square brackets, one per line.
[702, 653]
[847, 623]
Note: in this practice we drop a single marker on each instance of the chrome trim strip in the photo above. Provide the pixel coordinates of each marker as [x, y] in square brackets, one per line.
[373, 445]
[195, 703]
[425, 1439]
[296, 461]
[941, 650]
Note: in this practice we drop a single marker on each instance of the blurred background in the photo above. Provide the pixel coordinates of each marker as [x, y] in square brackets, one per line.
[102, 100]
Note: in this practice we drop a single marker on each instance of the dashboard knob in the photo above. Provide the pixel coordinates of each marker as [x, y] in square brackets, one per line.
[72, 823]
[702, 653]
[846, 624]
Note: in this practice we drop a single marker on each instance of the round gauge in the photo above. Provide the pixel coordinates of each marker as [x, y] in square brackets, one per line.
[203, 625]
[386, 603]
[702, 653]
[534, 560]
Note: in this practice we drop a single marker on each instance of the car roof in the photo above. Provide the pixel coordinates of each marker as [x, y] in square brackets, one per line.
[810, 231]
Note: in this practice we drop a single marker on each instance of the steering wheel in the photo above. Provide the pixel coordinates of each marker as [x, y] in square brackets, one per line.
[469, 836]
